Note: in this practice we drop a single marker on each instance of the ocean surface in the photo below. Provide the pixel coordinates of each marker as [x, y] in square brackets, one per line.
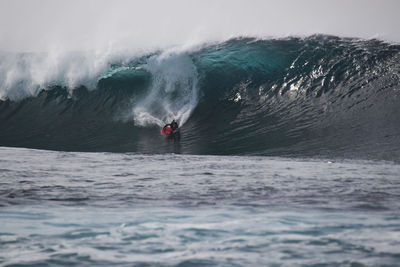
[102, 209]
[289, 155]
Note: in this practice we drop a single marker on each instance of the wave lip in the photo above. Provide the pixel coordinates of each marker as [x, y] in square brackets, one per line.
[315, 96]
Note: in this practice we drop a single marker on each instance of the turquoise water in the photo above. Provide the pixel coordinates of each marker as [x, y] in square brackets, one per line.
[295, 97]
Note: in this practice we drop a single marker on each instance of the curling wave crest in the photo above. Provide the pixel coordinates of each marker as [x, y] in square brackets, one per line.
[315, 96]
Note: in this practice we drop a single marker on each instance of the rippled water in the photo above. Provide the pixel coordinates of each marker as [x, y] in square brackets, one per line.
[102, 209]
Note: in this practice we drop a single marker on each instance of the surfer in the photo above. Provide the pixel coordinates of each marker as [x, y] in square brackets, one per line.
[170, 128]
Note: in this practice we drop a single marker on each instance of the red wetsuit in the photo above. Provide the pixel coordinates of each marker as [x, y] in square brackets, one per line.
[167, 130]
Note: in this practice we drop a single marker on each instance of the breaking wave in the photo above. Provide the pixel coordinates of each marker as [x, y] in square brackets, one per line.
[315, 96]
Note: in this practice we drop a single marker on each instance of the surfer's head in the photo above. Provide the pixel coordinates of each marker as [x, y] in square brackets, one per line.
[174, 125]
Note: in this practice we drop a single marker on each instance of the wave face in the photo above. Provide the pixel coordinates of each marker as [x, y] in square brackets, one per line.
[315, 96]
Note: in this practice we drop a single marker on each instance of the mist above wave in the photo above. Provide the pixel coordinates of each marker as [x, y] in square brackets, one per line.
[44, 25]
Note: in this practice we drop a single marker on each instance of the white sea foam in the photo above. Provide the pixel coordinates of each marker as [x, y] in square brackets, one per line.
[24, 75]
[101, 30]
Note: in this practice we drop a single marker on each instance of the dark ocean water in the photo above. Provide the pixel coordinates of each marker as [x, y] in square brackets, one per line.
[288, 156]
[102, 209]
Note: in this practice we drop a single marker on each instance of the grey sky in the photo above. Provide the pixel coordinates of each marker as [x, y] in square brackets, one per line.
[39, 25]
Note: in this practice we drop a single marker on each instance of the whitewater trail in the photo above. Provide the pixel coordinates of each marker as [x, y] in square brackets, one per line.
[173, 92]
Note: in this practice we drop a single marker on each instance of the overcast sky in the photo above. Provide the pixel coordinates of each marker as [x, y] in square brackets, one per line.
[38, 25]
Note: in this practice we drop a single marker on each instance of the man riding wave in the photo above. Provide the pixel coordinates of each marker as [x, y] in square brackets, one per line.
[170, 128]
